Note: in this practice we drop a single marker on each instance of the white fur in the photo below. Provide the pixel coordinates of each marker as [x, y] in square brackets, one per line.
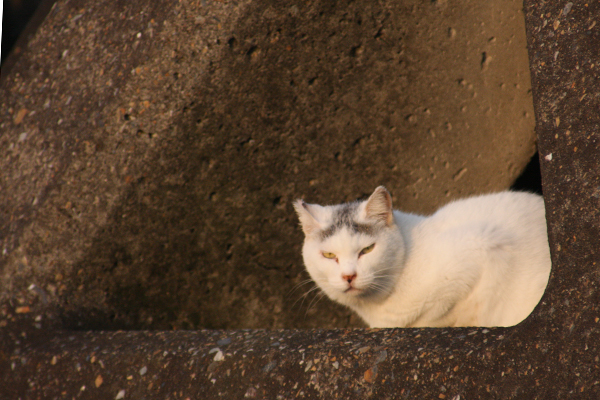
[481, 261]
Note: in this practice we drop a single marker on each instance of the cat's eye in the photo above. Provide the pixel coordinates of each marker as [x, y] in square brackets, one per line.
[329, 255]
[367, 249]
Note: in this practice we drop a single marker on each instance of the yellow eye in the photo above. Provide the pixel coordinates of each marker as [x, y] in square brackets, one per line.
[367, 249]
[329, 255]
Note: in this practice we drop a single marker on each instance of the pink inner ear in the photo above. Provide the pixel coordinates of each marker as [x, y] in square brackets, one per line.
[307, 219]
[379, 205]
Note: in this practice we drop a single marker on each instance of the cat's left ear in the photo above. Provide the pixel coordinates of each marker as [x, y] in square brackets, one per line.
[307, 215]
[379, 206]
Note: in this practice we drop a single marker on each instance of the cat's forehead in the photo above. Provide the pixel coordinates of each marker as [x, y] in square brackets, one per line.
[344, 214]
[347, 216]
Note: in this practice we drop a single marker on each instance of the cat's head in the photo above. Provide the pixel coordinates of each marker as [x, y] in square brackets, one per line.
[352, 251]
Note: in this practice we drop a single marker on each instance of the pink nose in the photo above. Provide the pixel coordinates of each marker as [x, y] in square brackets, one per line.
[349, 278]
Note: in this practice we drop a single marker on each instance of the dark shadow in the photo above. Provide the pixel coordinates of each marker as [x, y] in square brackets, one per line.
[20, 21]
[531, 178]
[205, 236]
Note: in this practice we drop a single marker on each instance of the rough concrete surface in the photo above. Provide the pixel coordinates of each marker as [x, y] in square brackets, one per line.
[552, 354]
[150, 153]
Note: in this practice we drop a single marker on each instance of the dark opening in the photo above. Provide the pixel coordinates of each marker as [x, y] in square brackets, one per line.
[531, 178]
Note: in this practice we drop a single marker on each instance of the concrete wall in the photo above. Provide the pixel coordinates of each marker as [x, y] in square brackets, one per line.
[151, 151]
[553, 354]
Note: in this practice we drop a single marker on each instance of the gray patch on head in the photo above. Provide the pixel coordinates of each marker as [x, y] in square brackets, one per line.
[345, 216]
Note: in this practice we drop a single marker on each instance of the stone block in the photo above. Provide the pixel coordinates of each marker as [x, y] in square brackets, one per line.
[150, 153]
[51, 229]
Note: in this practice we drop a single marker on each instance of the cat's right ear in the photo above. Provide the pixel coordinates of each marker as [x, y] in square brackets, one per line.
[306, 214]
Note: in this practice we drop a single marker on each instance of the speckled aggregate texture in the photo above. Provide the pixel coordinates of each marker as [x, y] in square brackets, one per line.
[151, 151]
[553, 354]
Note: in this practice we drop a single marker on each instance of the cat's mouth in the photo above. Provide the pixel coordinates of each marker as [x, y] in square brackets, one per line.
[352, 290]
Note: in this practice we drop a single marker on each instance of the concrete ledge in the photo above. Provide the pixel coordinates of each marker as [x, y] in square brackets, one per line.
[553, 354]
[286, 364]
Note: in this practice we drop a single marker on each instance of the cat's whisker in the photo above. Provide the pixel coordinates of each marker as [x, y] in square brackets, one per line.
[297, 300]
[381, 277]
[378, 278]
[377, 283]
[377, 287]
[305, 295]
[299, 285]
[382, 272]
[311, 290]
[321, 297]
[313, 303]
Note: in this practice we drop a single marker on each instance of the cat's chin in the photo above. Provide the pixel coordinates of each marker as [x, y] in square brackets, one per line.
[349, 297]
[353, 296]
[352, 291]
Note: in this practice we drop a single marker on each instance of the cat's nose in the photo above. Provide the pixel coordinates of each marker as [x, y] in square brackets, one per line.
[349, 278]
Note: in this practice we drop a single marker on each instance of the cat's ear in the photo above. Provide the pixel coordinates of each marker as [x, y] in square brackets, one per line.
[307, 215]
[379, 206]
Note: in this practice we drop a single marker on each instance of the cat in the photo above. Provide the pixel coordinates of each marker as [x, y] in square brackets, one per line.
[479, 261]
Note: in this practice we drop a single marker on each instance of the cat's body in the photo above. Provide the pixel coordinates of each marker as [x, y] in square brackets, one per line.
[481, 261]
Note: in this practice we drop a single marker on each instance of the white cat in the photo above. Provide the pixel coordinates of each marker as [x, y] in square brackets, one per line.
[481, 261]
